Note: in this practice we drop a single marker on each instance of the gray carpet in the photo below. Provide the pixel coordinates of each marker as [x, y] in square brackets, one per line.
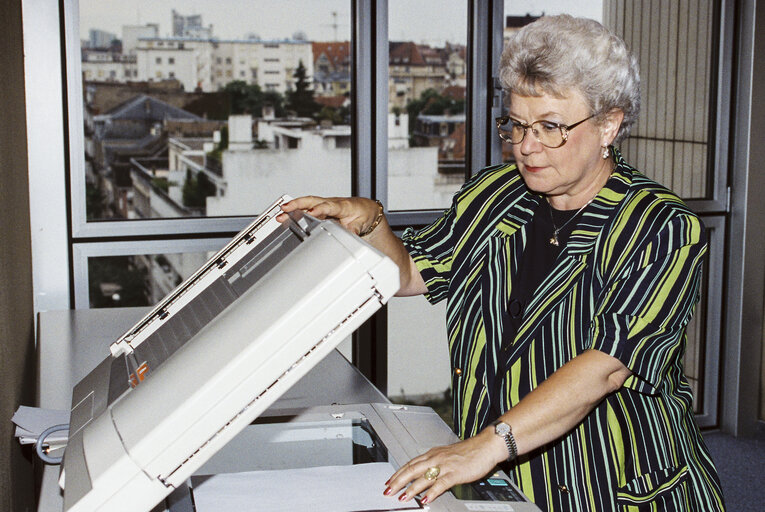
[741, 465]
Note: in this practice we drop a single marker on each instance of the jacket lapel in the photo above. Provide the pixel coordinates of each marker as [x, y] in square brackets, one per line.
[503, 251]
[573, 260]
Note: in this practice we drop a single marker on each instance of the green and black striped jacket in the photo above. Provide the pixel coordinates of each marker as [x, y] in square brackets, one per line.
[626, 283]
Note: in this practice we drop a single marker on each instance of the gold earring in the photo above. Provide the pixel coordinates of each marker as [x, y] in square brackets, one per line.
[606, 153]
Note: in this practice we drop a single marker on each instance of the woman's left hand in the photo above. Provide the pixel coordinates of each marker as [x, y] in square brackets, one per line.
[462, 462]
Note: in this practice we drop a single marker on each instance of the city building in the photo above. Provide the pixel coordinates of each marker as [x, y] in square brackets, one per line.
[412, 70]
[129, 131]
[100, 38]
[209, 64]
[132, 33]
[190, 26]
[332, 68]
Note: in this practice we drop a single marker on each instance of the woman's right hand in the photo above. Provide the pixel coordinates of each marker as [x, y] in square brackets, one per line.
[357, 214]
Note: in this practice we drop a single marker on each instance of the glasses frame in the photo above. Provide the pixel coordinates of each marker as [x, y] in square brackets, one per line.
[564, 129]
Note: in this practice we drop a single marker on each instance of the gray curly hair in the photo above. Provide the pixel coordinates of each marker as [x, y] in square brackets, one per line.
[555, 54]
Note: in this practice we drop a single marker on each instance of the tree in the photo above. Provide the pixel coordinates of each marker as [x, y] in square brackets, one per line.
[94, 202]
[244, 98]
[331, 114]
[431, 102]
[301, 99]
[196, 189]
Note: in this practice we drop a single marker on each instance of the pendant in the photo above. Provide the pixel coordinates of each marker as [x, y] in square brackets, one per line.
[554, 240]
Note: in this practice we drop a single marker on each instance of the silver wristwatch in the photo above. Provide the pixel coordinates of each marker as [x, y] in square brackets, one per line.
[504, 431]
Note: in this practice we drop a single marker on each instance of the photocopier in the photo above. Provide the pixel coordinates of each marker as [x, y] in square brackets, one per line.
[181, 405]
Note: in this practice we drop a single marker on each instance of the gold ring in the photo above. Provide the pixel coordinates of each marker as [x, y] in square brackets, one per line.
[432, 473]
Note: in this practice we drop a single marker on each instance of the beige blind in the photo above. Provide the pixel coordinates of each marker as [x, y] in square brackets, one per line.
[673, 43]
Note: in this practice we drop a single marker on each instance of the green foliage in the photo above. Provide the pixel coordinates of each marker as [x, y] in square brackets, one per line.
[332, 114]
[94, 202]
[161, 183]
[301, 99]
[244, 98]
[196, 189]
[431, 102]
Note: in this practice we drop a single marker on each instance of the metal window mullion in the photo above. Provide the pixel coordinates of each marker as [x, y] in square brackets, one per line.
[364, 133]
[369, 156]
[483, 101]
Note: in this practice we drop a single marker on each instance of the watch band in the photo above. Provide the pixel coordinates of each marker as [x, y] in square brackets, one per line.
[506, 432]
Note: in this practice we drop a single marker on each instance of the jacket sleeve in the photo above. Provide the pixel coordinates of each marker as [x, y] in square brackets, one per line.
[642, 314]
[431, 249]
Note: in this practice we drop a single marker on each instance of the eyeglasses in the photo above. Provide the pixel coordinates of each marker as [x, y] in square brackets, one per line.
[549, 134]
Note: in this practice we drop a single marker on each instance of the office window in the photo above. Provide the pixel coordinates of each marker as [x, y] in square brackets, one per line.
[163, 159]
[129, 125]
[127, 274]
[426, 87]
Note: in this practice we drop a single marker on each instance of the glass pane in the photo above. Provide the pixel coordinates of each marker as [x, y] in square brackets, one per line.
[426, 113]
[213, 110]
[673, 44]
[139, 280]
[419, 371]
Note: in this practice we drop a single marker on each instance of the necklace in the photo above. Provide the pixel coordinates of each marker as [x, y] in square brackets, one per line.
[554, 238]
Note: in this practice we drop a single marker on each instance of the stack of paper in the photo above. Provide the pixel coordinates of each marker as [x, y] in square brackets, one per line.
[32, 421]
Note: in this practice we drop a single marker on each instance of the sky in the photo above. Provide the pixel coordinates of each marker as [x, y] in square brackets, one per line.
[423, 21]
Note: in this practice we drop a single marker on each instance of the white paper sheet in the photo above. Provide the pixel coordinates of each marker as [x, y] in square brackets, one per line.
[353, 488]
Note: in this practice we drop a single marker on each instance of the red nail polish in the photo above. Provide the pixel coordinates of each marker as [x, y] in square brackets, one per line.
[388, 482]
[402, 497]
[387, 491]
[424, 500]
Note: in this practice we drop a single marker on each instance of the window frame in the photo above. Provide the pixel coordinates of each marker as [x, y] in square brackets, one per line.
[55, 142]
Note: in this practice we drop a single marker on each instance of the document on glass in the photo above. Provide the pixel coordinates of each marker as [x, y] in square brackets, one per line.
[353, 488]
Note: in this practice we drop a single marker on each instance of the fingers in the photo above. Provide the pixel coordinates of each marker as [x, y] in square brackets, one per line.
[353, 213]
[304, 203]
[462, 462]
[414, 474]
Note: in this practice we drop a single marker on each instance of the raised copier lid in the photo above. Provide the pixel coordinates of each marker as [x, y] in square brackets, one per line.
[214, 354]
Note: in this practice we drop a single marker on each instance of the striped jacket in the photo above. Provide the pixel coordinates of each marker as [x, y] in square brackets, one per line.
[626, 283]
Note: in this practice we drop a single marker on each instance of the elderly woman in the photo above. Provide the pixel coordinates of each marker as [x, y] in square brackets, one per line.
[570, 279]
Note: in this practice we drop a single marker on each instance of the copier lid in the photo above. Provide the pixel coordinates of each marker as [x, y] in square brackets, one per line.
[214, 354]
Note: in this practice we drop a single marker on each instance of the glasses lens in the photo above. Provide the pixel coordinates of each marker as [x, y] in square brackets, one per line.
[509, 130]
[549, 134]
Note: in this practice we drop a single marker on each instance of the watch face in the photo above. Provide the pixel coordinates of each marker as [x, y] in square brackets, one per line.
[502, 429]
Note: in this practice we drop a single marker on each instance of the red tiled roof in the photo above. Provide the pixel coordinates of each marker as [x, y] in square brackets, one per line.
[454, 92]
[338, 52]
[331, 101]
[405, 53]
